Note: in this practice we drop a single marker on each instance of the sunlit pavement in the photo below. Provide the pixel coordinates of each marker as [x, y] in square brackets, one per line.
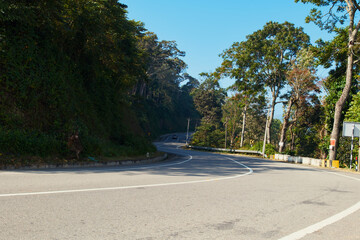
[198, 195]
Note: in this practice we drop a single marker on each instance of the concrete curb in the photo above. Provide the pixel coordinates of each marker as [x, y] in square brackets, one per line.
[87, 164]
[322, 163]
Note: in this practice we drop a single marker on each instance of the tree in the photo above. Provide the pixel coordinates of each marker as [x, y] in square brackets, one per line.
[263, 59]
[247, 92]
[70, 66]
[337, 12]
[208, 100]
[161, 94]
[231, 117]
[302, 82]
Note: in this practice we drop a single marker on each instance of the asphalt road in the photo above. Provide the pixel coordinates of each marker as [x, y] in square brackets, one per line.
[197, 196]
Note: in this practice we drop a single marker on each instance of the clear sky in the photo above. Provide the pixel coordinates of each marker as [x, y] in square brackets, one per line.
[205, 28]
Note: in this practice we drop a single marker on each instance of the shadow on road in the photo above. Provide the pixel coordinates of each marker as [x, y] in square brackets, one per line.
[202, 164]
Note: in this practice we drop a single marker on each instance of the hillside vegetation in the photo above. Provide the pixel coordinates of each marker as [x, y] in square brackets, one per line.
[76, 67]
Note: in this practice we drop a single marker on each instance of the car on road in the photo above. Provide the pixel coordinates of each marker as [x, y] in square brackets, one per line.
[174, 136]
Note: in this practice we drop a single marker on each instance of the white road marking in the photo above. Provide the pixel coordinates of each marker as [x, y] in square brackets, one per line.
[317, 226]
[159, 165]
[132, 187]
[354, 178]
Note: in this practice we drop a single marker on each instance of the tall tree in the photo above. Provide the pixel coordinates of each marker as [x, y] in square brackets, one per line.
[248, 92]
[302, 82]
[208, 99]
[337, 12]
[231, 117]
[264, 58]
[158, 92]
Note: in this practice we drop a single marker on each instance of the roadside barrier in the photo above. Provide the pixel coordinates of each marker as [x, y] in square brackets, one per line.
[225, 150]
[307, 160]
[280, 157]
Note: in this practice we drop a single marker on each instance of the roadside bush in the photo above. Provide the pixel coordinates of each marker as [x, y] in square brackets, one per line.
[21, 142]
[270, 149]
[208, 136]
[258, 146]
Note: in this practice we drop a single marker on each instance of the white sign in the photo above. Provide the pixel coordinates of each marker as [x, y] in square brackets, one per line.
[348, 128]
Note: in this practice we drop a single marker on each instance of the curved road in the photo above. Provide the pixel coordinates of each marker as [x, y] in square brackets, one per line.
[199, 195]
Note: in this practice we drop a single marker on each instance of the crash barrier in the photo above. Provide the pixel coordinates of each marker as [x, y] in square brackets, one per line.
[307, 161]
[280, 157]
[225, 150]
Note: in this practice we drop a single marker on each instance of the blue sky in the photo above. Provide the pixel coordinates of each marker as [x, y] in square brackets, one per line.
[205, 28]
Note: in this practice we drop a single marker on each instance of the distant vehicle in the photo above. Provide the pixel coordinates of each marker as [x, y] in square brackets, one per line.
[174, 136]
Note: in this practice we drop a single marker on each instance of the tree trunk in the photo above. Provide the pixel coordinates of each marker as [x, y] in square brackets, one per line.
[285, 125]
[292, 138]
[338, 109]
[344, 96]
[243, 127]
[225, 134]
[269, 119]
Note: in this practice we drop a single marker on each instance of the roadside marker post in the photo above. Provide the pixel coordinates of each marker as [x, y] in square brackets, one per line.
[352, 129]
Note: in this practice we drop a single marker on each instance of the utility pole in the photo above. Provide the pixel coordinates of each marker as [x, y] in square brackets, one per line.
[187, 132]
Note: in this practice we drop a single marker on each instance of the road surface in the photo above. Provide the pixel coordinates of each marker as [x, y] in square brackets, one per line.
[199, 195]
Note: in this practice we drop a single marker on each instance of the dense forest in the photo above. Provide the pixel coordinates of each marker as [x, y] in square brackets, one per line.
[79, 76]
[277, 65]
[79, 79]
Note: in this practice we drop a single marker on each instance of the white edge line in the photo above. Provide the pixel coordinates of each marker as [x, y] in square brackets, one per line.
[132, 187]
[341, 175]
[161, 165]
[315, 227]
[328, 221]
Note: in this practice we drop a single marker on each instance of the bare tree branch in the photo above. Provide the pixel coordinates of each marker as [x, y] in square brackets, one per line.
[356, 5]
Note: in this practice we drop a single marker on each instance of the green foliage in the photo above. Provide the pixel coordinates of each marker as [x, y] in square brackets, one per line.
[134, 146]
[207, 135]
[208, 100]
[30, 142]
[69, 66]
[337, 12]
[353, 114]
[161, 104]
[275, 131]
[344, 150]
[304, 133]
[258, 146]
[260, 63]
[270, 149]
